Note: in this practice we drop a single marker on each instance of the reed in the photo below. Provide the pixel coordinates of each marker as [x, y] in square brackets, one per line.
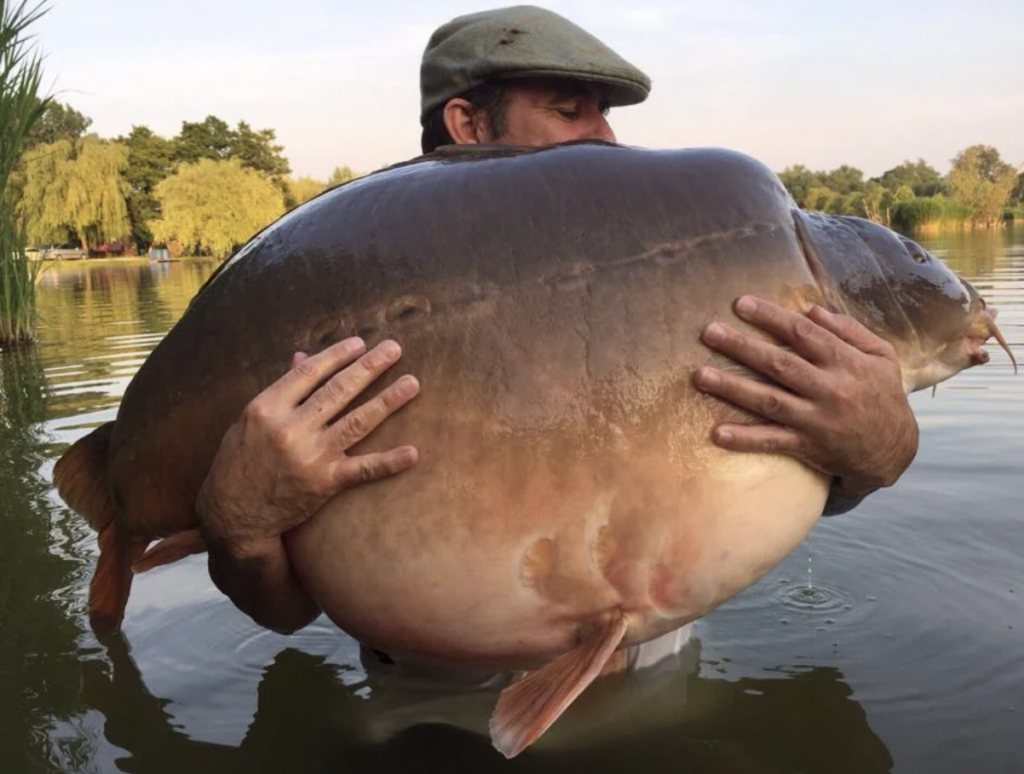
[20, 108]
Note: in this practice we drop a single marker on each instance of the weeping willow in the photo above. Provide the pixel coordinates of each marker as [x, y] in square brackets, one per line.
[76, 187]
[20, 108]
[211, 207]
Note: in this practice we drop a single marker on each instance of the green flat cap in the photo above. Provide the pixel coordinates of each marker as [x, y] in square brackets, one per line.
[519, 42]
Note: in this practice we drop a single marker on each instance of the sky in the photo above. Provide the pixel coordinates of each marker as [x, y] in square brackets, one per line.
[813, 82]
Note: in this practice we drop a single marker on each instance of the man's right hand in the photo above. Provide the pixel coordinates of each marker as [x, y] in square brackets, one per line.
[282, 460]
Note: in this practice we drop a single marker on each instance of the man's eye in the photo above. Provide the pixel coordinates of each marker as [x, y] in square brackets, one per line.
[570, 113]
[605, 109]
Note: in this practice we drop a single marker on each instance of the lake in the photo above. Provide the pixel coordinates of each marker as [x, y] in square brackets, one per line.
[892, 639]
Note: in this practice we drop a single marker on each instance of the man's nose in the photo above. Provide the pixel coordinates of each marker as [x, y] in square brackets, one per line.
[601, 130]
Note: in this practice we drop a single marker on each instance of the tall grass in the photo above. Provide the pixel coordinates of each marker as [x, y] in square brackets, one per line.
[930, 213]
[20, 108]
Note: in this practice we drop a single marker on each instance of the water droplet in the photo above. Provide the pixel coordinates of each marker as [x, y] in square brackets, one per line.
[871, 598]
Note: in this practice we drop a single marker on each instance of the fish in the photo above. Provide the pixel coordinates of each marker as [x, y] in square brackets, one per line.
[568, 503]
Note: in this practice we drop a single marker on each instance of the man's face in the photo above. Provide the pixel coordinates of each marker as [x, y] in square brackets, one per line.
[547, 111]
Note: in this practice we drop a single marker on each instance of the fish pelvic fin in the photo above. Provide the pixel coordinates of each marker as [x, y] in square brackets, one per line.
[81, 479]
[170, 549]
[528, 707]
[112, 581]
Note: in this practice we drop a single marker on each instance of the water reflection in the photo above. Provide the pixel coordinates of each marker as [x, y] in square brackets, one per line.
[666, 718]
[39, 659]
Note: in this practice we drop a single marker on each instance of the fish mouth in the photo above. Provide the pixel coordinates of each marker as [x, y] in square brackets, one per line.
[983, 327]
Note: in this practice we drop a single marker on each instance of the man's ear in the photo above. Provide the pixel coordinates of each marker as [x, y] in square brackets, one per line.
[465, 124]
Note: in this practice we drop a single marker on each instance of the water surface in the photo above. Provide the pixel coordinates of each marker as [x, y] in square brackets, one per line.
[901, 650]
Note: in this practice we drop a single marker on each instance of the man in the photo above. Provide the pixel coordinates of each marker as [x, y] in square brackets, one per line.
[527, 76]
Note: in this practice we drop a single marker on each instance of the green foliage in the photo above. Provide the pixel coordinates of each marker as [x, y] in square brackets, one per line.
[209, 139]
[257, 150]
[1017, 194]
[341, 175]
[212, 207]
[76, 188]
[919, 212]
[58, 122]
[981, 181]
[302, 189]
[843, 180]
[922, 178]
[20, 110]
[150, 160]
[213, 139]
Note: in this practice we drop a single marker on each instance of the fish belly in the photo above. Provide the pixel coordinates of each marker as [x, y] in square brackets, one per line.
[482, 573]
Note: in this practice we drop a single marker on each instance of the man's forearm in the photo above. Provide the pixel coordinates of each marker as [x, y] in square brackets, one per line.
[262, 585]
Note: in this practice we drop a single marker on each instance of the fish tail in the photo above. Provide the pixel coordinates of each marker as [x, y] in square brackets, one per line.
[81, 480]
[527, 708]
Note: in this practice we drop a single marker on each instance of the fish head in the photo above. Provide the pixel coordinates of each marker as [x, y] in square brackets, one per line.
[936, 320]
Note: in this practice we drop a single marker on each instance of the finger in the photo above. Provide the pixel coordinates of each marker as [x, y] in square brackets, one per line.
[805, 336]
[351, 471]
[296, 385]
[765, 400]
[771, 439]
[298, 357]
[359, 423]
[853, 332]
[338, 391]
[785, 367]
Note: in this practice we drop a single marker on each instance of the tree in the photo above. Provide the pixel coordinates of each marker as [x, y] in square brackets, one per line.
[150, 160]
[820, 199]
[303, 189]
[58, 122]
[981, 181]
[76, 188]
[844, 180]
[799, 181]
[921, 177]
[211, 138]
[1017, 194]
[341, 175]
[256, 150]
[214, 206]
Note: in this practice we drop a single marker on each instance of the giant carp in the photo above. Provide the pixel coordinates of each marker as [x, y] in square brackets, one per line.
[568, 502]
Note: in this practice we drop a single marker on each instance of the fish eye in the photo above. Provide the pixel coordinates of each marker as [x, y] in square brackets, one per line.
[919, 255]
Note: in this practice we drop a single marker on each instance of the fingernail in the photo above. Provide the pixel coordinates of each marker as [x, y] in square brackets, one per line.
[708, 377]
[714, 333]
[746, 305]
[390, 349]
[353, 343]
[724, 436]
[822, 312]
[407, 386]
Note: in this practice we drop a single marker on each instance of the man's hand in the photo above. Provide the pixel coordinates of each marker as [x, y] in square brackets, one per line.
[840, 408]
[282, 460]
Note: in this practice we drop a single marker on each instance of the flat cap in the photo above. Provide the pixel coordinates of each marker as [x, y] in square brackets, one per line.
[519, 42]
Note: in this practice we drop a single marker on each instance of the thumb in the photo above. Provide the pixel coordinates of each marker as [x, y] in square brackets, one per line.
[852, 332]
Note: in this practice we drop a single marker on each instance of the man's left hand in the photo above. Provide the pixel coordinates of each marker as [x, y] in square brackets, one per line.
[838, 405]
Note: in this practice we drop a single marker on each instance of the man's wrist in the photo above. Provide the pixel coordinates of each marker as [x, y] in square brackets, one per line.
[219, 531]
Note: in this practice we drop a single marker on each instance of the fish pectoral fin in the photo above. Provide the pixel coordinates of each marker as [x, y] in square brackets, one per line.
[169, 550]
[526, 709]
